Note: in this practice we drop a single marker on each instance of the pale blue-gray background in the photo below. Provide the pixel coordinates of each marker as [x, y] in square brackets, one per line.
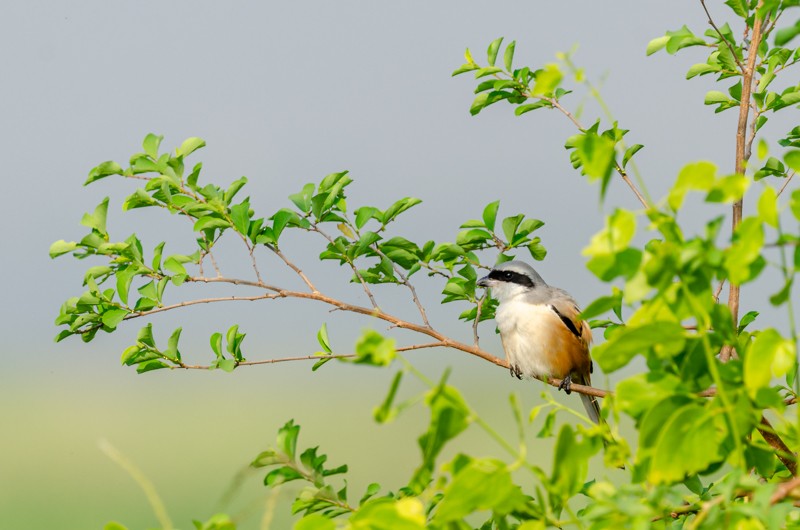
[284, 93]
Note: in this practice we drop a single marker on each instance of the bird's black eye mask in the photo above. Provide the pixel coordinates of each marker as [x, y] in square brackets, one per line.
[511, 277]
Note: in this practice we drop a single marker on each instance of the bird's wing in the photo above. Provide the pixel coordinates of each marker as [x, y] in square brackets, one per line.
[568, 311]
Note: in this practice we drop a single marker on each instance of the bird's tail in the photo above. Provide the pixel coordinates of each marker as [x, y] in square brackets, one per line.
[592, 407]
[589, 402]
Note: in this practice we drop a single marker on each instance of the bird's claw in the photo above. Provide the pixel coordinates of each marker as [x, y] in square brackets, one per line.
[566, 385]
[515, 371]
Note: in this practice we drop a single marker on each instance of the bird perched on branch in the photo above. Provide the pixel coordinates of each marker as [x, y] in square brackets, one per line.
[541, 332]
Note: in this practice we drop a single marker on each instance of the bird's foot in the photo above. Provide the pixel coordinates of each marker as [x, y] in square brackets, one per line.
[515, 370]
[566, 385]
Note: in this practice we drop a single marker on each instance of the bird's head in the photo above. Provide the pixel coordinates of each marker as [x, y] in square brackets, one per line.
[510, 279]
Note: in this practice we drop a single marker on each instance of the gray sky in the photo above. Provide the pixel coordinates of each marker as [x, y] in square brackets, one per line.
[286, 93]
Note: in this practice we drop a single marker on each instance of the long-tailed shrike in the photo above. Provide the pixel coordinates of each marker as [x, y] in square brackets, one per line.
[540, 329]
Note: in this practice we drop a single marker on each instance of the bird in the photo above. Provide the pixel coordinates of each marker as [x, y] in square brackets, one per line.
[541, 330]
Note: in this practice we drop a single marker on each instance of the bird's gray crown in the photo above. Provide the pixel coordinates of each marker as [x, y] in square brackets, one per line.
[517, 272]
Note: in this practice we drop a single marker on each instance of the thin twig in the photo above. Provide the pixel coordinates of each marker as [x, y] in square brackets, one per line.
[201, 301]
[404, 281]
[144, 483]
[631, 185]
[475, 338]
[312, 357]
[719, 291]
[363, 282]
[213, 261]
[730, 47]
[788, 179]
[294, 267]
[748, 149]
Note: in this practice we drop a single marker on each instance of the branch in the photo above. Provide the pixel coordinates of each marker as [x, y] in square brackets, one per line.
[442, 340]
[741, 150]
[353, 267]
[294, 267]
[782, 451]
[784, 490]
[730, 47]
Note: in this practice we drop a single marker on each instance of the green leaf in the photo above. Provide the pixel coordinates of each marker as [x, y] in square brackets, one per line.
[762, 150]
[314, 521]
[374, 349]
[522, 109]
[769, 355]
[745, 251]
[629, 152]
[364, 214]
[739, 7]
[490, 214]
[616, 236]
[571, 462]
[794, 204]
[189, 146]
[472, 238]
[322, 338]
[510, 225]
[656, 44]
[714, 97]
[150, 145]
[407, 513]
[386, 412]
[768, 206]
[483, 484]
[97, 220]
[728, 189]
[209, 222]
[682, 38]
[172, 352]
[464, 68]
[226, 365]
[62, 247]
[491, 53]
[216, 345]
[240, 215]
[450, 415]
[596, 155]
[784, 35]
[688, 442]
[603, 304]
[148, 366]
[792, 159]
[668, 337]
[302, 199]
[537, 250]
[547, 80]
[103, 170]
[640, 393]
[700, 69]
[399, 207]
[508, 56]
[696, 176]
[113, 317]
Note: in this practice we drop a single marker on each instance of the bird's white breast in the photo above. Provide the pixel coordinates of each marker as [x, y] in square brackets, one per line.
[524, 328]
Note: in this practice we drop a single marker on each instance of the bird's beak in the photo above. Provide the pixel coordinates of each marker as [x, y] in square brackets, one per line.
[483, 282]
